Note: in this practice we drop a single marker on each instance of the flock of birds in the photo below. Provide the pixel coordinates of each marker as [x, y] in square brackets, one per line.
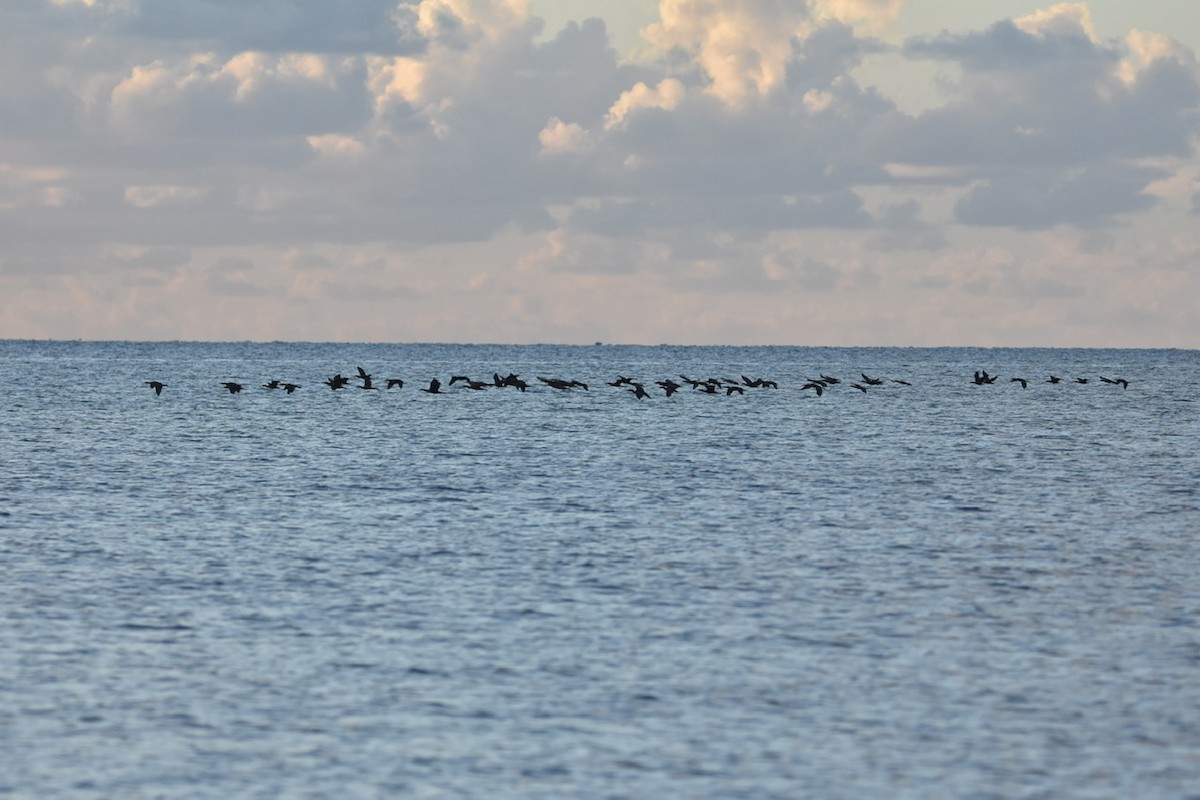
[982, 378]
[726, 386]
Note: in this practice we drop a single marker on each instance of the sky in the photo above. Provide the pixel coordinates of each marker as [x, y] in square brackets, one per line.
[792, 172]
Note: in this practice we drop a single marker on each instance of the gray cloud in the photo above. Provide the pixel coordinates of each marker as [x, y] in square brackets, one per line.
[1035, 199]
[903, 229]
[1051, 98]
[1004, 46]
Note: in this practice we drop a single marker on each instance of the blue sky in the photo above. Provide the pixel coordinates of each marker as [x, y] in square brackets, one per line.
[841, 172]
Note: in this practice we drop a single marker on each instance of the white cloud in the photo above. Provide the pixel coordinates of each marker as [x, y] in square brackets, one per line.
[666, 95]
[872, 16]
[743, 47]
[563, 137]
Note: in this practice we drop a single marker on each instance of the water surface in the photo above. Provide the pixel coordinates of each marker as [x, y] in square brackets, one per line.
[935, 590]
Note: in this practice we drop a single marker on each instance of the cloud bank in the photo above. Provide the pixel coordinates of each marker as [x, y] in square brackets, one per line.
[449, 170]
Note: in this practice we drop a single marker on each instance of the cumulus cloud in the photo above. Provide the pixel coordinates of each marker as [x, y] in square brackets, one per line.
[743, 48]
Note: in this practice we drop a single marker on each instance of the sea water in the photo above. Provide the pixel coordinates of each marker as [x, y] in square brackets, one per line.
[931, 590]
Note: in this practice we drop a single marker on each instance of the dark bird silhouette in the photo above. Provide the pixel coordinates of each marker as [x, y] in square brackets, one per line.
[1124, 384]
[157, 386]
[365, 377]
[829, 380]
[669, 386]
[397, 383]
[435, 387]
[902, 383]
[233, 388]
[1024, 383]
[338, 381]
[510, 379]
[290, 387]
[869, 381]
[733, 387]
[559, 383]
[1081, 380]
[456, 378]
[860, 387]
[818, 385]
[639, 391]
[621, 381]
[271, 385]
[982, 378]
[1054, 379]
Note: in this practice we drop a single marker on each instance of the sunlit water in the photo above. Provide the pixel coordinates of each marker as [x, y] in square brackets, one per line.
[936, 590]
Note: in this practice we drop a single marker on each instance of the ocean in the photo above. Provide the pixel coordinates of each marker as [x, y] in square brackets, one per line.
[931, 590]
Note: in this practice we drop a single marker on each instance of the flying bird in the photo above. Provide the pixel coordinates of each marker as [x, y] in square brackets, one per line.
[157, 386]
[233, 388]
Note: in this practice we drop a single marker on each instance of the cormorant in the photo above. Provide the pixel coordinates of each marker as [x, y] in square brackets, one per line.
[157, 386]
